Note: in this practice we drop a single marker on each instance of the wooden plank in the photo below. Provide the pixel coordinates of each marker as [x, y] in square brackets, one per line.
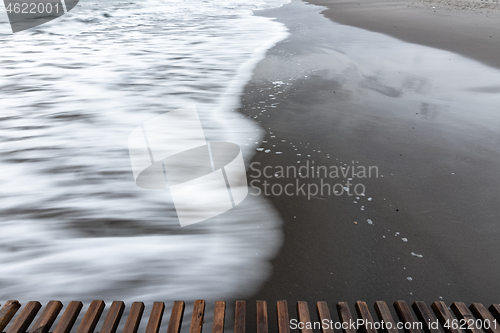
[304, 317]
[69, 317]
[197, 318]
[7, 313]
[324, 316]
[134, 318]
[262, 323]
[364, 313]
[23, 321]
[384, 314]
[175, 322]
[89, 321]
[444, 315]
[239, 317]
[283, 318]
[113, 318]
[462, 313]
[424, 314]
[219, 314]
[155, 317]
[495, 310]
[47, 318]
[345, 317]
[482, 313]
[405, 315]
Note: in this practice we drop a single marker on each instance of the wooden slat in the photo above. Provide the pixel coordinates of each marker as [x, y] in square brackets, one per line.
[113, 318]
[424, 314]
[384, 314]
[495, 310]
[23, 321]
[345, 317]
[239, 317]
[304, 317]
[69, 317]
[134, 317]
[444, 315]
[219, 314]
[324, 316]
[406, 316]
[7, 313]
[91, 317]
[47, 318]
[482, 313]
[175, 322]
[364, 313]
[197, 318]
[462, 312]
[262, 324]
[155, 317]
[283, 318]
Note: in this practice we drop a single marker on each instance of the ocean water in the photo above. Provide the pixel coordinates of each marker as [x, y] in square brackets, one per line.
[73, 224]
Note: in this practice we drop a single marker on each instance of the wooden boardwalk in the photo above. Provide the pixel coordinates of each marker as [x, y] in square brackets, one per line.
[418, 319]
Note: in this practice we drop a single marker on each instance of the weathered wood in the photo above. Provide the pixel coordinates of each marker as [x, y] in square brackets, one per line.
[364, 313]
[483, 314]
[89, 321]
[113, 318]
[134, 318]
[495, 310]
[219, 314]
[47, 318]
[345, 317]
[155, 317]
[472, 315]
[239, 317]
[384, 314]
[69, 317]
[444, 315]
[7, 313]
[283, 318]
[23, 321]
[405, 315]
[304, 317]
[462, 313]
[197, 318]
[425, 316]
[324, 316]
[262, 323]
[175, 322]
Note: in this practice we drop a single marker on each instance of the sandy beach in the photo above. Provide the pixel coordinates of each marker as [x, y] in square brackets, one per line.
[370, 133]
[466, 27]
[332, 94]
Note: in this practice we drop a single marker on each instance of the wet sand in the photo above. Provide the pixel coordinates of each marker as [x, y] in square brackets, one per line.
[427, 227]
[466, 27]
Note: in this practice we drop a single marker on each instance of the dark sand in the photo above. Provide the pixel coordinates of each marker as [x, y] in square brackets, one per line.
[439, 158]
[473, 31]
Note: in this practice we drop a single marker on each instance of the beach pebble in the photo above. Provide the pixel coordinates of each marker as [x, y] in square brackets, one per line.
[416, 255]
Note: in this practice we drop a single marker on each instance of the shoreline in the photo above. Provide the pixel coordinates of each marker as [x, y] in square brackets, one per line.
[320, 99]
[471, 31]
